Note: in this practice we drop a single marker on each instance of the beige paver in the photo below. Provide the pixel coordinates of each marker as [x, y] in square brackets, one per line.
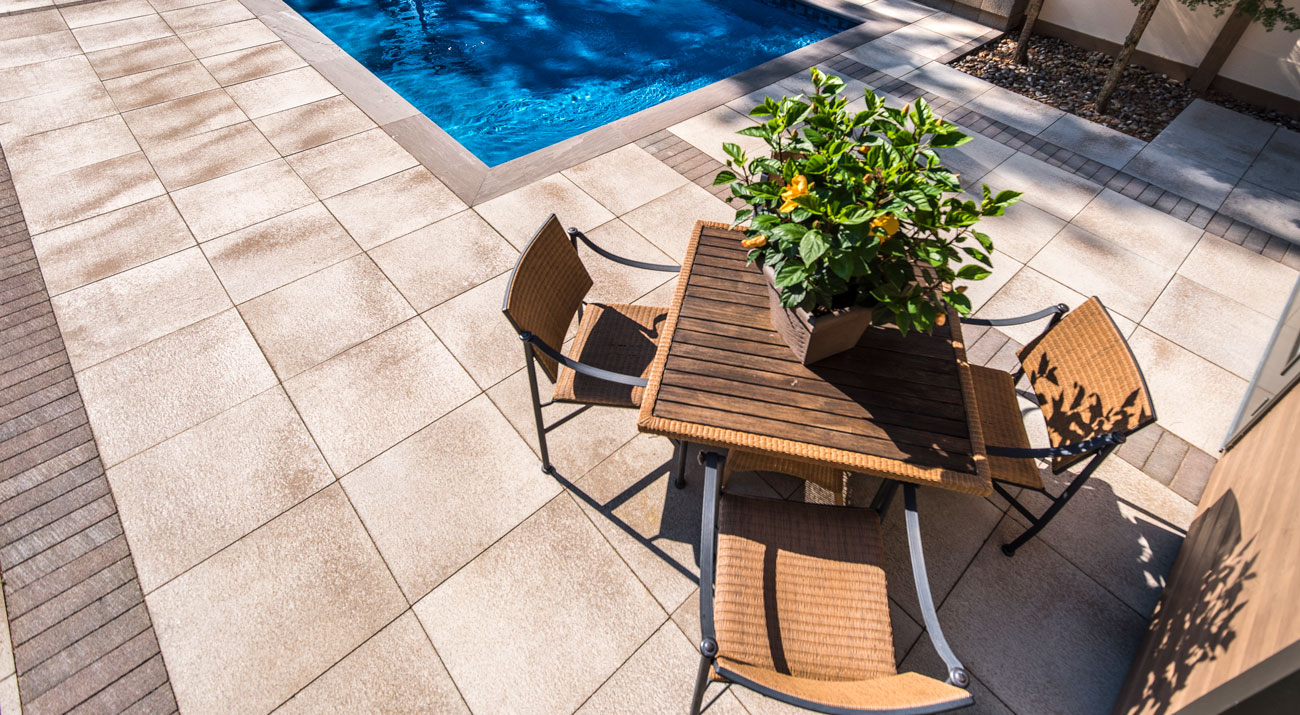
[625, 178]
[99, 247]
[165, 5]
[453, 255]
[252, 625]
[139, 57]
[1022, 231]
[121, 32]
[241, 199]
[575, 446]
[101, 12]
[514, 647]
[45, 77]
[396, 670]
[31, 115]
[939, 78]
[160, 85]
[185, 117]
[317, 317]
[281, 91]
[111, 316]
[1194, 398]
[487, 347]
[632, 491]
[206, 156]
[376, 394]
[615, 283]
[37, 48]
[53, 201]
[1030, 640]
[68, 148]
[394, 206]
[518, 214]
[1029, 292]
[658, 679]
[924, 41]
[204, 489]
[1154, 235]
[162, 388]
[312, 125]
[1211, 325]
[228, 38]
[199, 17]
[667, 221]
[350, 162]
[1137, 526]
[27, 24]
[277, 251]
[252, 63]
[1245, 276]
[708, 131]
[1125, 281]
[1059, 193]
[429, 523]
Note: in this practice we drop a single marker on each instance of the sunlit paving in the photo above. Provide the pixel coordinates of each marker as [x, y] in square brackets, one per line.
[614, 356]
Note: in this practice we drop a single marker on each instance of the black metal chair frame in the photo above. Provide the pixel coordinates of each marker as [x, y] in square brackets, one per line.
[708, 642]
[1102, 444]
[534, 345]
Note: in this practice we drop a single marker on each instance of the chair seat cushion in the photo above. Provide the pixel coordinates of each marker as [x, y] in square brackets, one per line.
[800, 590]
[1003, 426]
[616, 337]
[905, 691]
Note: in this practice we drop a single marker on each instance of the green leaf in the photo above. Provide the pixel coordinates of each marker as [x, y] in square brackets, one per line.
[1006, 198]
[789, 232]
[842, 265]
[948, 139]
[759, 131]
[984, 239]
[815, 164]
[812, 246]
[973, 273]
[724, 177]
[735, 152]
[790, 274]
[741, 216]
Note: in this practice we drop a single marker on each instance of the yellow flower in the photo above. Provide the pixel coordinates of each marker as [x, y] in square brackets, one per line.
[755, 242]
[940, 319]
[887, 223]
[798, 186]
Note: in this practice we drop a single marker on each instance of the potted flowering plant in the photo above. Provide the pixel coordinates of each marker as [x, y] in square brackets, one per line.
[853, 218]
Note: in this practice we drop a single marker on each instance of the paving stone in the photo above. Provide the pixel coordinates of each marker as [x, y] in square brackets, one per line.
[228, 38]
[234, 201]
[1193, 475]
[203, 157]
[312, 125]
[160, 85]
[253, 63]
[281, 91]
[1139, 445]
[1053, 190]
[1124, 280]
[394, 206]
[1196, 399]
[184, 117]
[121, 32]
[518, 214]
[1248, 278]
[1166, 458]
[98, 13]
[1146, 231]
[206, 15]
[436, 263]
[347, 163]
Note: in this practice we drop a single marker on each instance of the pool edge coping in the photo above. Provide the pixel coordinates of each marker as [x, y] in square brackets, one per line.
[473, 181]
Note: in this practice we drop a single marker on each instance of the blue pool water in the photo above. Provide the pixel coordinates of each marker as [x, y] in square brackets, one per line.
[507, 77]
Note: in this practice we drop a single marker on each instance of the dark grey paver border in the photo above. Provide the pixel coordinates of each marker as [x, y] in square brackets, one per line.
[81, 632]
[472, 180]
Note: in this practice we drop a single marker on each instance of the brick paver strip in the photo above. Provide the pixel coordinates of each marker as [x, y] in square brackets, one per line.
[81, 633]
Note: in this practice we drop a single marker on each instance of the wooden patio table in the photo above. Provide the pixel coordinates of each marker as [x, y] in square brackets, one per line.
[895, 407]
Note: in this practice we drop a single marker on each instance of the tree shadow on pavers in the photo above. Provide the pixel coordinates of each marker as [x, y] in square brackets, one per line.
[1194, 622]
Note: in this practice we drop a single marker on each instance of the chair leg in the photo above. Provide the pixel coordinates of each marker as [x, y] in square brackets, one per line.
[701, 683]
[537, 410]
[1058, 503]
[679, 456]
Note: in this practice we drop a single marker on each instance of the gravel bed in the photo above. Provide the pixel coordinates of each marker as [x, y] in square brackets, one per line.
[1069, 77]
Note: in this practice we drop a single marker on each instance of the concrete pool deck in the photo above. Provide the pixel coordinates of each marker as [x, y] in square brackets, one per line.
[282, 330]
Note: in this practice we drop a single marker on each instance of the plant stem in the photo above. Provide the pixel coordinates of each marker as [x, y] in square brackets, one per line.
[1125, 54]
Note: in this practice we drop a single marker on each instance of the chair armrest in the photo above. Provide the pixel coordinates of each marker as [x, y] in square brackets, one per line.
[580, 236]
[1057, 311]
[956, 672]
[583, 368]
[708, 551]
[1110, 439]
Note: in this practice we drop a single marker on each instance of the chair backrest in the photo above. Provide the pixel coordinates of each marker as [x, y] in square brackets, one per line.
[546, 289]
[1086, 378]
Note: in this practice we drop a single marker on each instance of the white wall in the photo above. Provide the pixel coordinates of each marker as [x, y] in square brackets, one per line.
[1268, 60]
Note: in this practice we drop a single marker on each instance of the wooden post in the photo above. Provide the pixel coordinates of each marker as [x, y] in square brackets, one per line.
[1022, 45]
[1219, 52]
[1126, 53]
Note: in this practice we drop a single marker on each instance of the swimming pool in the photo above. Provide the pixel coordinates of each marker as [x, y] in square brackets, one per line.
[507, 78]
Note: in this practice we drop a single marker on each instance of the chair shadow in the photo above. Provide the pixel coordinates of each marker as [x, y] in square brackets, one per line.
[1194, 622]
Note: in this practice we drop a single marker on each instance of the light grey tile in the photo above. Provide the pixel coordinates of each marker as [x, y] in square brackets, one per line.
[1211, 325]
[1242, 275]
[927, 43]
[1125, 281]
[1275, 166]
[1204, 184]
[625, 178]
[1154, 235]
[1095, 141]
[1022, 231]
[946, 81]
[1016, 110]
[887, 57]
[668, 221]
[438, 262]
[710, 130]
[1276, 213]
[1216, 136]
[519, 214]
[1058, 192]
[1194, 398]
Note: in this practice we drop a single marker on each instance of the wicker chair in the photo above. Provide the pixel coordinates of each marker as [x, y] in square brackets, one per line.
[794, 605]
[1091, 392]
